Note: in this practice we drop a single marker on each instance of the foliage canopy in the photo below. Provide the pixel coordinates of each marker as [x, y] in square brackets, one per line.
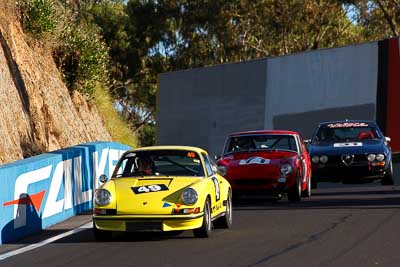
[148, 37]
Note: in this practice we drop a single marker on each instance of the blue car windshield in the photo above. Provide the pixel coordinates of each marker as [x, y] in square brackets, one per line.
[159, 163]
[346, 134]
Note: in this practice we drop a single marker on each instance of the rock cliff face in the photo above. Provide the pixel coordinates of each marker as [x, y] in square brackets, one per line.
[37, 113]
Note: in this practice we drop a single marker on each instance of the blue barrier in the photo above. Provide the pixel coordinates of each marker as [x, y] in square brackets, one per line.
[43, 190]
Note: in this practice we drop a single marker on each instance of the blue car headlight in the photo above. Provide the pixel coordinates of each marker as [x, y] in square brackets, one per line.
[371, 157]
[315, 159]
[323, 159]
[380, 157]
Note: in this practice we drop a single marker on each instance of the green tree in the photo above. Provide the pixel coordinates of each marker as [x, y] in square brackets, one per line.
[148, 37]
[379, 19]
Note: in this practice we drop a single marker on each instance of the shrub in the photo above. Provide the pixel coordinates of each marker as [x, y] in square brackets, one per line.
[118, 128]
[38, 16]
[82, 57]
[79, 51]
[80, 54]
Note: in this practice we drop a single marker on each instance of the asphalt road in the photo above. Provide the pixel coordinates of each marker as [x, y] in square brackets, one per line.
[338, 226]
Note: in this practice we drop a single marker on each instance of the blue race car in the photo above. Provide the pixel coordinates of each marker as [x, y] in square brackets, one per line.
[350, 152]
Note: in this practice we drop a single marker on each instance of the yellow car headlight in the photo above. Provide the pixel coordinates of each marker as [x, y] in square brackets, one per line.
[189, 196]
[102, 197]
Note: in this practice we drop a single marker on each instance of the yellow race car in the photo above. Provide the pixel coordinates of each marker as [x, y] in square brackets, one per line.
[163, 188]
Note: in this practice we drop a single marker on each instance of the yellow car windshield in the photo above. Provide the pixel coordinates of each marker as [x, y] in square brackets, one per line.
[160, 163]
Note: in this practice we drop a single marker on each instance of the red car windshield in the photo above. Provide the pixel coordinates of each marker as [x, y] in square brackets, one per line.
[260, 142]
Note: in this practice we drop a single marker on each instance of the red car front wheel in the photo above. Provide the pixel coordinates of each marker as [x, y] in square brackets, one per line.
[294, 194]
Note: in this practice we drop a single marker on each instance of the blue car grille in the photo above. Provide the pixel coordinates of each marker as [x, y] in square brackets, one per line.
[336, 160]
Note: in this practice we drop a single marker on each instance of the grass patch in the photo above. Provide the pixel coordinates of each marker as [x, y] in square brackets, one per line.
[115, 124]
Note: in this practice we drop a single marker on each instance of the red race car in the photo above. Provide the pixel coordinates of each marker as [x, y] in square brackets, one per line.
[267, 161]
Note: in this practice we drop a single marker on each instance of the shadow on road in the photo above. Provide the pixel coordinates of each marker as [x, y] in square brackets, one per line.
[344, 203]
[339, 198]
[87, 236]
[360, 193]
[356, 198]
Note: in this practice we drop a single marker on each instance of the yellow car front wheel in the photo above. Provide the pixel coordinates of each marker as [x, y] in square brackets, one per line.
[205, 229]
[225, 222]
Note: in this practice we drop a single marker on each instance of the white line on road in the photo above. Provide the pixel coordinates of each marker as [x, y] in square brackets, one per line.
[45, 242]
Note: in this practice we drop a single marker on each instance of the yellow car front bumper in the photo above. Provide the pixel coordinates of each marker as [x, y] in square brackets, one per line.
[132, 223]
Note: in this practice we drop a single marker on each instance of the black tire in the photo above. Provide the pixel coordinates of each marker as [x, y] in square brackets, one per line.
[225, 222]
[314, 184]
[388, 177]
[307, 192]
[294, 194]
[236, 197]
[205, 229]
[101, 235]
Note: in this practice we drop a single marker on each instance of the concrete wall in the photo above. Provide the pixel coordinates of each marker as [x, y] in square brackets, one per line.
[306, 122]
[200, 107]
[332, 84]
[40, 191]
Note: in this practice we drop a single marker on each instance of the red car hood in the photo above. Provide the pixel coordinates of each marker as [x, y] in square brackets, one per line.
[256, 164]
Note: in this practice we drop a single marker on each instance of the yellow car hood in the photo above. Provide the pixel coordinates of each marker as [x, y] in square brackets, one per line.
[150, 195]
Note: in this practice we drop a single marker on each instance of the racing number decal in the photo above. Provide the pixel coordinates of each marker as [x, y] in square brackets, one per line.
[149, 188]
[216, 185]
[145, 189]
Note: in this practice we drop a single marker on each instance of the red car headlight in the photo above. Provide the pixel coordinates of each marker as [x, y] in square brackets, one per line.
[286, 169]
[222, 170]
